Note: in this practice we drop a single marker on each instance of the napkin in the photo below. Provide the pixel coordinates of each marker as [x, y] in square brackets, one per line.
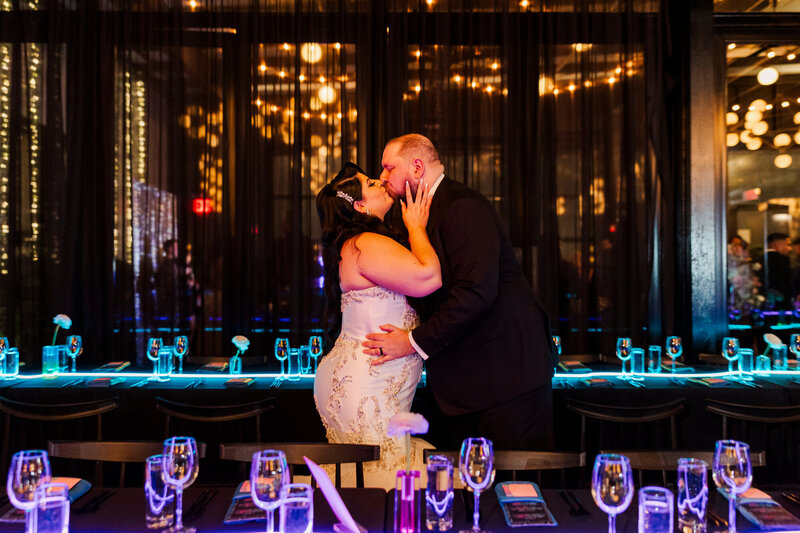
[332, 495]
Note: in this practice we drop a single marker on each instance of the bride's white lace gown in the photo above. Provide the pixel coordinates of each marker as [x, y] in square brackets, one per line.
[355, 399]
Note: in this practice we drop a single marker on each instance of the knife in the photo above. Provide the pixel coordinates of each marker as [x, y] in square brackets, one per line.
[198, 504]
[95, 503]
[791, 497]
[718, 519]
[581, 509]
[572, 509]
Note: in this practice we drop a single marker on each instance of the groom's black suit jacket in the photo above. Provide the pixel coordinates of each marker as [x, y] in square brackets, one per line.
[486, 334]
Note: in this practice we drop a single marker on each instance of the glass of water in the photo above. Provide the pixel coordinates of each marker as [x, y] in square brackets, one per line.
[51, 512]
[655, 510]
[297, 508]
[692, 494]
[439, 494]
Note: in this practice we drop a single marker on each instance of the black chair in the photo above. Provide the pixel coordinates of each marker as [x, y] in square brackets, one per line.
[215, 413]
[639, 415]
[667, 460]
[525, 461]
[121, 452]
[51, 412]
[319, 452]
[741, 421]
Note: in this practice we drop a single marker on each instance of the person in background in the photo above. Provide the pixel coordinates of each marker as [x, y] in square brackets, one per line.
[778, 271]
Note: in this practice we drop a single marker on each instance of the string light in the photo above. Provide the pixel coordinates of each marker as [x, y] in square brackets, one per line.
[731, 46]
[263, 67]
[791, 57]
[5, 109]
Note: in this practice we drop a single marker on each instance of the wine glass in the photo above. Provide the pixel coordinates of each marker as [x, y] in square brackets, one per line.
[29, 469]
[268, 475]
[732, 469]
[315, 348]
[794, 345]
[154, 344]
[74, 348]
[476, 466]
[624, 347]
[674, 349]
[3, 349]
[180, 348]
[180, 466]
[612, 485]
[282, 352]
[730, 350]
[557, 344]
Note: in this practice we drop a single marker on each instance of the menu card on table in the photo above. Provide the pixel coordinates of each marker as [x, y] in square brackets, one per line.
[760, 509]
[523, 504]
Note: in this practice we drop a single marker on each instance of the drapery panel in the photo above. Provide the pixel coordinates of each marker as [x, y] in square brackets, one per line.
[159, 159]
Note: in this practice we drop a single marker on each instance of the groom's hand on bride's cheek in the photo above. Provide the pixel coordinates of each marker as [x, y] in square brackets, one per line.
[388, 346]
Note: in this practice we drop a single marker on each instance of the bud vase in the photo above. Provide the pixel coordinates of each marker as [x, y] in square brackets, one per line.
[406, 502]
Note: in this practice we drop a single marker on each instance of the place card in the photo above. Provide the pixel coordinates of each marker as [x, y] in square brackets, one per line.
[213, 368]
[574, 367]
[239, 383]
[104, 382]
[113, 366]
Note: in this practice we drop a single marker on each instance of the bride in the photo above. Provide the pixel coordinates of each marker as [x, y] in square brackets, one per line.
[368, 274]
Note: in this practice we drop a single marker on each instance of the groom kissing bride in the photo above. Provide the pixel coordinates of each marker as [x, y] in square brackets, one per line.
[481, 331]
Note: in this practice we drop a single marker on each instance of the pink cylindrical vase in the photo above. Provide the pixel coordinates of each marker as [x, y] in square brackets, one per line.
[406, 502]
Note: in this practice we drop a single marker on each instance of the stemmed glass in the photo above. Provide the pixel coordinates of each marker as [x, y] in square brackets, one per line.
[154, 344]
[315, 348]
[180, 348]
[624, 347]
[268, 475]
[730, 350]
[794, 345]
[180, 468]
[74, 348]
[29, 469]
[732, 469]
[612, 485]
[282, 352]
[557, 344]
[674, 349]
[476, 466]
[3, 349]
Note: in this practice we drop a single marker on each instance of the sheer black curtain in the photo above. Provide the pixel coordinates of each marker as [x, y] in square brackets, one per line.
[159, 160]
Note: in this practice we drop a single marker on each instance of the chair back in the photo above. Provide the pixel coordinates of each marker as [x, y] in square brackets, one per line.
[110, 451]
[628, 415]
[522, 460]
[778, 425]
[319, 452]
[214, 413]
[667, 460]
[50, 412]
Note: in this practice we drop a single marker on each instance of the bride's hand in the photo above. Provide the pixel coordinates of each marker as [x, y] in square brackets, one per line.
[416, 210]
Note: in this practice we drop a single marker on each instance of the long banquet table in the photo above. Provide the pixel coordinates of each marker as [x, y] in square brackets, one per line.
[372, 508]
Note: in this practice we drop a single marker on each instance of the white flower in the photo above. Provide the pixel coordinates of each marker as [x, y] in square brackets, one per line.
[241, 342]
[412, 423]
[62, 321]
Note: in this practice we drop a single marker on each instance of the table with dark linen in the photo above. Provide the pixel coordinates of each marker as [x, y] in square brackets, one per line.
[373, 509]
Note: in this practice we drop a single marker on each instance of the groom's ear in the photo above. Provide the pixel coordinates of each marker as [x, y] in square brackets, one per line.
[419, 167]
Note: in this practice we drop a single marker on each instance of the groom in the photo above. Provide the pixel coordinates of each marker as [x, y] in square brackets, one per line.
[484, 335]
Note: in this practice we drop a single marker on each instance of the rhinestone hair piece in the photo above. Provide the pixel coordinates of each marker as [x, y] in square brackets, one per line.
[342, 194]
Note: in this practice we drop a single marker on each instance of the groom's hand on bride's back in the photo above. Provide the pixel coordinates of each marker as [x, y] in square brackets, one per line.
[388, 346]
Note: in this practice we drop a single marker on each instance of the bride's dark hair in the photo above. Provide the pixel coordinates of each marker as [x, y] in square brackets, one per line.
[340, 221]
